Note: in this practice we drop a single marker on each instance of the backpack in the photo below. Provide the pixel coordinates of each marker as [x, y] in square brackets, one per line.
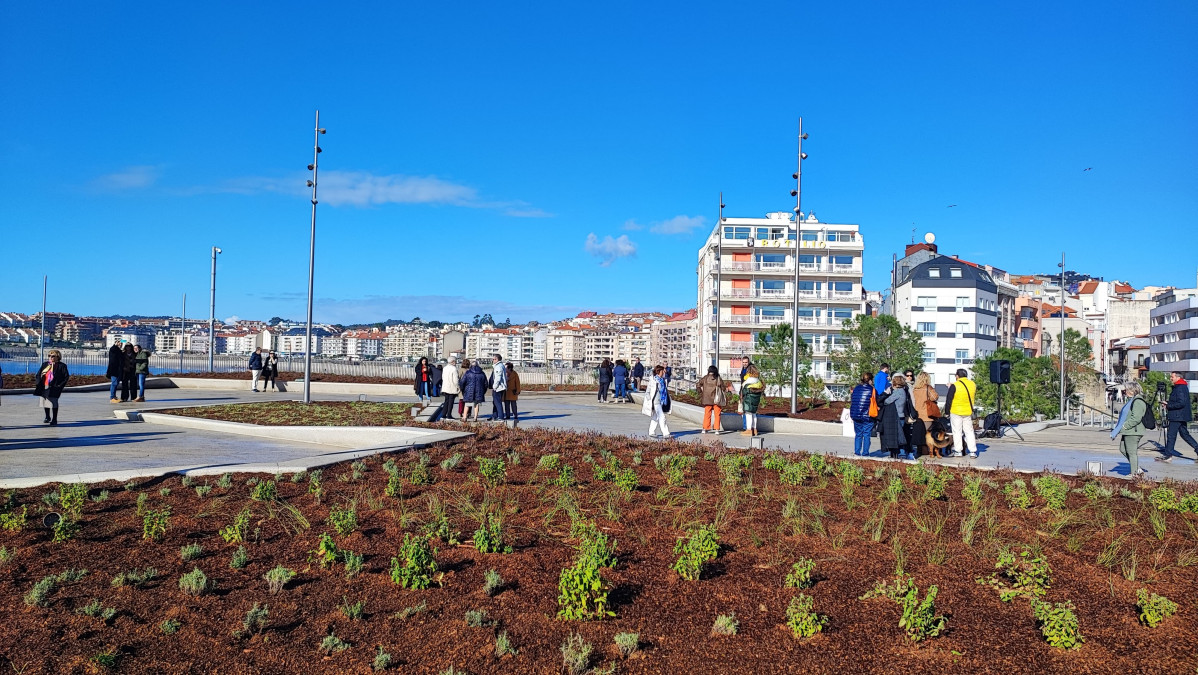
[1149, 420]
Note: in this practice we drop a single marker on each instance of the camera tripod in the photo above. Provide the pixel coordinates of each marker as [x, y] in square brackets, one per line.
[1003, 425]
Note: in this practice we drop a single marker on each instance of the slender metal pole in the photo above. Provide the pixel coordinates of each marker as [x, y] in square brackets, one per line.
[719, 264]
[182, 331]
[794, 320]
[42, 337]
[1061, 338]
[212, 313]
[311, 264]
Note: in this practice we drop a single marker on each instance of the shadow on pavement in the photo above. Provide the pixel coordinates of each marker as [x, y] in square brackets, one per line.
[81, 441]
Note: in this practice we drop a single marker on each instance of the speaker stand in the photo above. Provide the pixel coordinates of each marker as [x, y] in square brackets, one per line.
[1003, 425]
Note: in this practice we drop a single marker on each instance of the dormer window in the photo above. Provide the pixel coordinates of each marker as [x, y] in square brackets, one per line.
[934, 272]
[955, 272]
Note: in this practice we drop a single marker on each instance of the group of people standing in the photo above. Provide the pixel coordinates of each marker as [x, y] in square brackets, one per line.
[623, 379]
[264, 366]
[472, 384]
[128, 368]
[905, 412]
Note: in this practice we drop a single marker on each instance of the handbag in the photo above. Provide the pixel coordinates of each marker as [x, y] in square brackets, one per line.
[930, 408]
[720, 399]
[873, 403]
[665, 406]
[910, 407]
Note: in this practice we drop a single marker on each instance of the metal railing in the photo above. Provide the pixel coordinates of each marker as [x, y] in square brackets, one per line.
[1082, 415]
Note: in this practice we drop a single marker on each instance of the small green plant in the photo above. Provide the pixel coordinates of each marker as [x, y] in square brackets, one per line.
[725, 624]
[801, 621]
[134, 578]
[39, 595]
[549, 463]
[593, 544]
[1053, 489]
[65, 529]
[800, 574]
[582, 592]
[394, 486]
[191, 552]
[893, 489]
[255, 619]
[101, 496]
[326, 550]
[315, 487]
[565, 477]
[164, 492]
[675, 467]
[14, 521]
[331, 644]
[299, 476]
[240, 558]
[919, 618]
[576, 655]
[194, 582]
[492, 582]
[1058, 623]
[277, 578]
[733, 467]
[97, 610]
[438, 525]
[203, 490]
[1017, 495]
[1094, 491]
[353, 562]
[450, 463]
[627, 643]
[416, 564]
[352, 612]
[1189, 503]
[772, 461]
[972, 491]
[5, 555]
[264, 491]
[225, 481]
[169, 626]
[382, 660]
[476, 618]
[1164, 499]
[1154, 608]
[503, 645]
[893, 590]
[701, 546]
[492, 471]
[344, 520]
[419, 474]
[1159, 525]
[141, 503]
[409, 612]
[490, 538]
[235, 532]
[936, 486]
[107, 658]
[1023, 575]
[71, 498]
[155, 523]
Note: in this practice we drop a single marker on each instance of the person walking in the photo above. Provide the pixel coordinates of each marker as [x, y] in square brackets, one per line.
[654, 404]
[1131, 426]
[498, 383]
[474, 391]
[270, 371]
[424, 381]
[141, 368]
[712, 395]
[1179, 415]
[895, 429]
[861, 401]
[924, 398]
[619, 375]
[255, 368]
[128, 374]
[511, 394]
[116, 370]
[51, 379]
[450, 387]
[959, 404]
[605, 376]
[750, 399]
[638, 374]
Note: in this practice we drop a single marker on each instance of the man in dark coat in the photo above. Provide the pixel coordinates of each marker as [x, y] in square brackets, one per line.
[474, 391]
[638, 374]
[116, 370]
[438, 372]
[1179, 415]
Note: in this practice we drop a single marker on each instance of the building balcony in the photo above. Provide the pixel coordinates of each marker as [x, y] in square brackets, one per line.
[834, 296]
[754, 293]
[1179, 326]
[828, 268]
[733, 267]
[752, 320]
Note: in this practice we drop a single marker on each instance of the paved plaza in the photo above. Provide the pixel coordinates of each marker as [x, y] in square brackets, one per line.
[89, 440]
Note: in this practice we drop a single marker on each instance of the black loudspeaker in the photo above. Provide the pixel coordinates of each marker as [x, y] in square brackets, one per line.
[1000, 372]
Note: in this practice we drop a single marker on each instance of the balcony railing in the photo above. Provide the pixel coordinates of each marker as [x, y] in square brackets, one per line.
[816, 268]
[769, 293]
[752, 320]
[749, 266]
[830, 295]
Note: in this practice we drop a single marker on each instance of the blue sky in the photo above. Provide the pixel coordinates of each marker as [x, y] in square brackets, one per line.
[534, 160]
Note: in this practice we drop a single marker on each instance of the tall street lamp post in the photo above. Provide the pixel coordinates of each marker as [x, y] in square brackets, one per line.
[42, 337]
[719, 264]
[314, 168]
[797, 193]
[212, 312]
[1061, 337]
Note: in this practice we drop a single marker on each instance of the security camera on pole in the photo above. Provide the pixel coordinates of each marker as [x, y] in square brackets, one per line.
[313, 167]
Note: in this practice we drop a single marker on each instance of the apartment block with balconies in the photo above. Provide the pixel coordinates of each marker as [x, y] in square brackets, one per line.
[1174, 334]
[747, 285]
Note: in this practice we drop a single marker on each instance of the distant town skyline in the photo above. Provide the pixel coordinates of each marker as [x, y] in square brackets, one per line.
[540, 160]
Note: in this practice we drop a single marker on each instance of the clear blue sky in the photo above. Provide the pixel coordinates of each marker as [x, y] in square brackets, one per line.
[475, 148]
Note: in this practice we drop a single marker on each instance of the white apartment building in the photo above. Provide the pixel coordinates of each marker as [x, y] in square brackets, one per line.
[404, 343]
[364, 344]
[1174, 334]
[565, 346]
[134, 335]
[599, 345]
[747, 285]
[675, 343]
[954, 306]
[634, 344]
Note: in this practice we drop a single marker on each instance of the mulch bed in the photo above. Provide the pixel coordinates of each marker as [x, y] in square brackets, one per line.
[294, 413]
[820, 411]
[764, 526]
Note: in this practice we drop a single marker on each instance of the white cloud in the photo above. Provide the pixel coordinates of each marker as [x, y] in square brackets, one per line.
[679, 225]
[610, 249]
[631, 225]
[129, 178]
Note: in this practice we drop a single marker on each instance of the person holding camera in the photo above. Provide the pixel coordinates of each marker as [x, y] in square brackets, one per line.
[1179, 415]
[1130, 428]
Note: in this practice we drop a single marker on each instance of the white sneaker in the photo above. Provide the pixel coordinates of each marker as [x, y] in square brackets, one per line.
[973, 455]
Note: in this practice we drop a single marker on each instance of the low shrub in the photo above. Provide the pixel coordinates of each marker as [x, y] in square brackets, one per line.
[490, 538]
[1053, 489]
[1164, 499]
[576, 655]
[169, 626]
[332, 644]
[476, 618]
[154, 524]
[503, 645]
[240, 558]
[492, 582]
[1017, 494]
[97, 610]
[134, 578]
[14, 521]
[39, 595]
[701, 546]
[277, 578]
[582, 592]
[381, 661]
[450, 463]
[800, 574]
[492, 471]
[326, 551]
[594, 545]
[1058, 623]
[416, 564]
[71, 498]
[353, 612]
[255, 619]
[264, 491]
[235, 532]
[344, 520]
[1024, 574]
[194, 582]
[919, 618]
[627, 643]
[191, 552]
[725, 624]
[1154, 608]
[353, 562]
[801, 621]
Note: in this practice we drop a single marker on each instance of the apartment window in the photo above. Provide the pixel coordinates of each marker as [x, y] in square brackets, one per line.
[962, 355]
[926, 329]
[929, 356]
[934, 272]
[772, 312]
[1026, 333]
[810, 236]
[962, 328]
[925, 301]
[842, 313]
[763, 233]
[836, 340]
[808, 312]
[809, 338]
[837, 235]
[842, 286]
[954, 272]
[778, 233]
[842, 260]
[771, 259]
[811, 286]
[963, 301]
[809, 260]
[771, 287]
[736, 232]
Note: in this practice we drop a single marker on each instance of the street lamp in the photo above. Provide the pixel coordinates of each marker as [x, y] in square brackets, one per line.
[797, 193]
[1061, 337]
[212, 312]
[719, 257]
[313, 167]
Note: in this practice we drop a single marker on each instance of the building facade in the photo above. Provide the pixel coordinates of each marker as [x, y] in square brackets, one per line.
[1174, 334]
[675, 343]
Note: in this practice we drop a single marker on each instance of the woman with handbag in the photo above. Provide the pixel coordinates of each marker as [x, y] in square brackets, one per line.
[51, 379]
[863, 408]
[713, 398]
[657, 403]
[926, 410]
[750, 399]
[893, 419]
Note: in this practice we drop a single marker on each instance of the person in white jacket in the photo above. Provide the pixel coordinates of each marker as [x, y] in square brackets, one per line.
[651, 406]
[450, 387]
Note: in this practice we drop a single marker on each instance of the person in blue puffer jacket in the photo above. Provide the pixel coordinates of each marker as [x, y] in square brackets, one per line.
[863, 424]
[474, 387]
